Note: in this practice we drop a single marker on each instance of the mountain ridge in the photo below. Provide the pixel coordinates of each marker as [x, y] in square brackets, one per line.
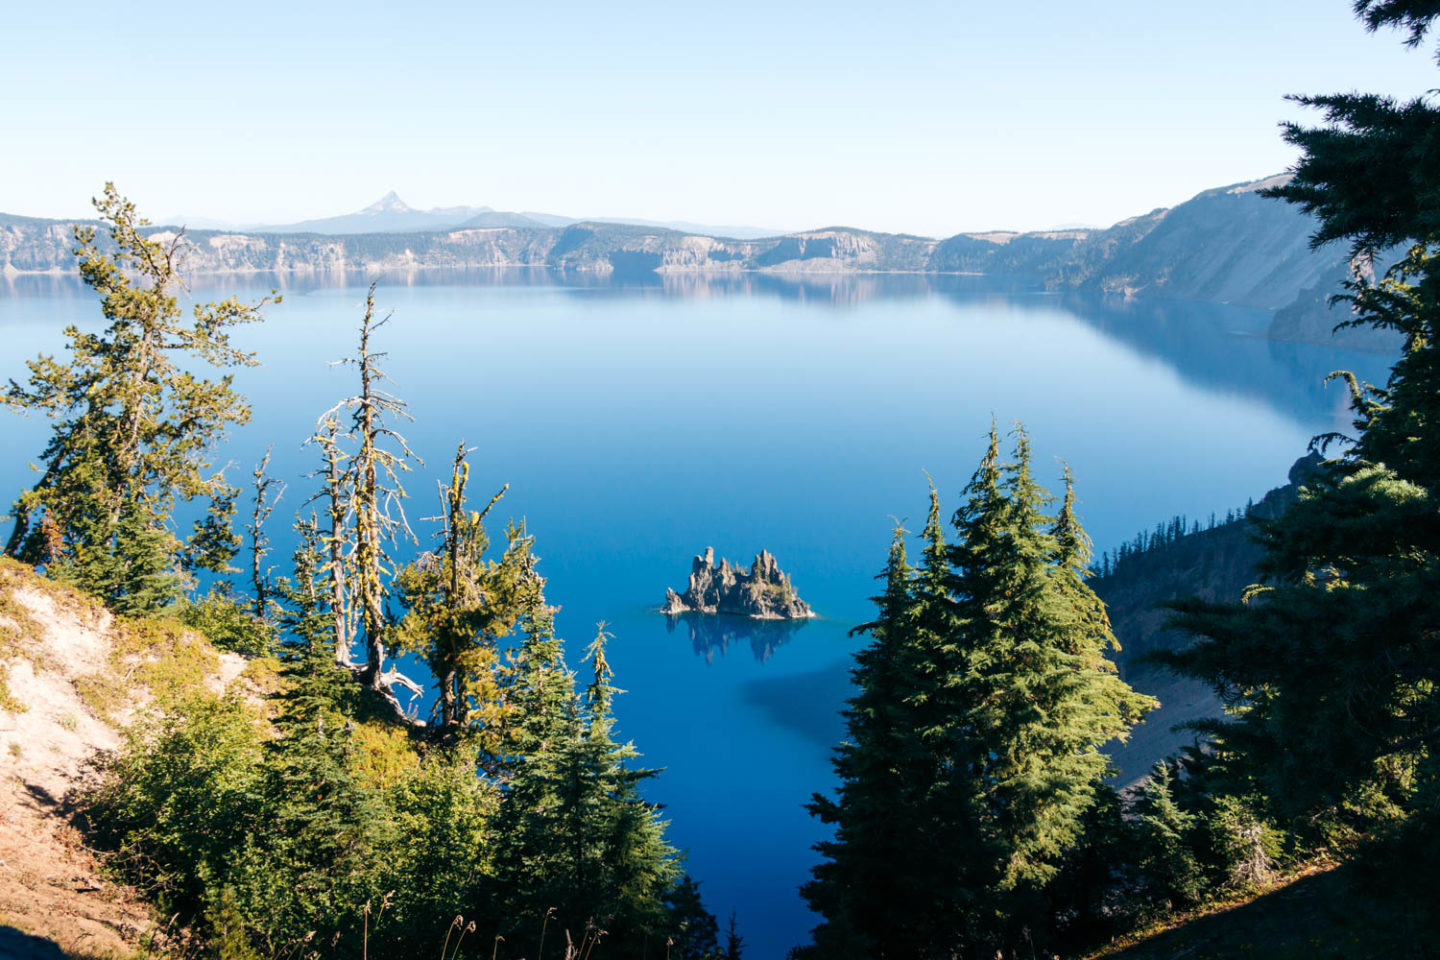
[1229, 244]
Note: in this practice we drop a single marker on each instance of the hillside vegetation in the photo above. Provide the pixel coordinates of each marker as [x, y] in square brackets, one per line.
[77, 678]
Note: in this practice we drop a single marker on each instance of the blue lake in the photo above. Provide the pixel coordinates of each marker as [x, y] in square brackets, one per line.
[638, 423]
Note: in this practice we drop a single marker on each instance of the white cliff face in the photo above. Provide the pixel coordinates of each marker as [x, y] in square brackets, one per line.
[761, 591]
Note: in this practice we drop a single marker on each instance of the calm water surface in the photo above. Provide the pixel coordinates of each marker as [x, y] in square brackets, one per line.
[638, 424]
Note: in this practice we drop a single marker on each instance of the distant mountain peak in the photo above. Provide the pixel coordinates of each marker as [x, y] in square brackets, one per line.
[390, 203]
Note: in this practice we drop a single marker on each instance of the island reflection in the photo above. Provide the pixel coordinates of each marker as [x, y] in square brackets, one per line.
[712, 633]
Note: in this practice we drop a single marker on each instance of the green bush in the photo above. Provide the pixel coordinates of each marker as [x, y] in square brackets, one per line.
[227, 622]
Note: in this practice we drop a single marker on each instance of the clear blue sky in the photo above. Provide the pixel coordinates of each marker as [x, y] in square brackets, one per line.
[927, 117]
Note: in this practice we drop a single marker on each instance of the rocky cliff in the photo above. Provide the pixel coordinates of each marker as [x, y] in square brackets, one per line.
[1228, 245]
[762, 591]
[1215, 565]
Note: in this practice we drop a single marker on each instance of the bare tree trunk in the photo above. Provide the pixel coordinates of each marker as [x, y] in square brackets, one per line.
[334, 492]
[259, 540]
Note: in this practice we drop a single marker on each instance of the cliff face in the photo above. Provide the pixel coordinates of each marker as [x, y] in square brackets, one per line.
[1228, 245]
[1215, 565]
[761, 592]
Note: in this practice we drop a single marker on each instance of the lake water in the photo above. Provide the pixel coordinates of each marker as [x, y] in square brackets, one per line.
[638, 423]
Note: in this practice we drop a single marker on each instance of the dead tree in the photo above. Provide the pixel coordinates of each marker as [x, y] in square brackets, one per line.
[259, 539]
[337, 538]
[370, 496]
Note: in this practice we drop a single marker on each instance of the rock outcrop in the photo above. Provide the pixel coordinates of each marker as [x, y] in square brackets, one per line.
[762, 591]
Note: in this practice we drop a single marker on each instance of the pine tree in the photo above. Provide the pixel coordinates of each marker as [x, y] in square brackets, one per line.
[265, 501]
[1169, 872]
[866, 893]
[693, 932]
[132, 428]
[734, 943]
[368, 496]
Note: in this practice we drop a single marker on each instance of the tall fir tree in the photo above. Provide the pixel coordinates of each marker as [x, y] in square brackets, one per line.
[985, 695]
[575, 835]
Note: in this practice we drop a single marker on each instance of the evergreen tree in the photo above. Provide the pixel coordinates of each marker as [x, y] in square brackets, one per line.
[1169, 872]
[367, 498]
[974, 740]
[866, 893]
[693, 932]
[1038, 693]
[1328, 667]
[132, 428]
[260, 580]
[734, 943]
[461, 607]
[574, 833]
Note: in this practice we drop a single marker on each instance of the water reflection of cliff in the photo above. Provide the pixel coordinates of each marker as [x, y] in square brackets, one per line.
[712, 634]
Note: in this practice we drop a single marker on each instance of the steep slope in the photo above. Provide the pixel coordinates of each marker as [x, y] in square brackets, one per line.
[1215, 565]
[74, 677]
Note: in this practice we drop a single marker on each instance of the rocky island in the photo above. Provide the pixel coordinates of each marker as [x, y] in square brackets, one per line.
[761, 592]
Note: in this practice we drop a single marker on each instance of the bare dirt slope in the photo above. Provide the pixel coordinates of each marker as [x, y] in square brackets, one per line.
[67, 666]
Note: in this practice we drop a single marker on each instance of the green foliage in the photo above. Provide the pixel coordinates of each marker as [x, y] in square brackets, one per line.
[228, 623]
[1328, 668]
[131, 429]
[460, 608]
[335, 830]
[323, 823]
[1170, 875]
[974, 740]
[734, 943]
[574, 834]
[17, 631]
[177, 802]
[693, 930]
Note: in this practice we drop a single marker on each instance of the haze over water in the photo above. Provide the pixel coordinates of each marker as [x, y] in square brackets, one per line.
[638, 423]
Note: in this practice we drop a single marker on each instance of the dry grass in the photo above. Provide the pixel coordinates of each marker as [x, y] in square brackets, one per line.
[1311, 913]
[77, 676]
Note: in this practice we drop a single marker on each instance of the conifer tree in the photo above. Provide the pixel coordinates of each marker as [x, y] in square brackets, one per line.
[461, 607]
[336, 566]
[866, 893]
[366, 497]
[132, 428]
[574, 833]
[1040, 695]
[1168, 869]
[265, 501]
[693, 932]
[1328, 666]
[734, 943]
[985, 695]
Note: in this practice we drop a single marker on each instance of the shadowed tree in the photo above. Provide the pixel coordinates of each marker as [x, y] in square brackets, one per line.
[1329, 666]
